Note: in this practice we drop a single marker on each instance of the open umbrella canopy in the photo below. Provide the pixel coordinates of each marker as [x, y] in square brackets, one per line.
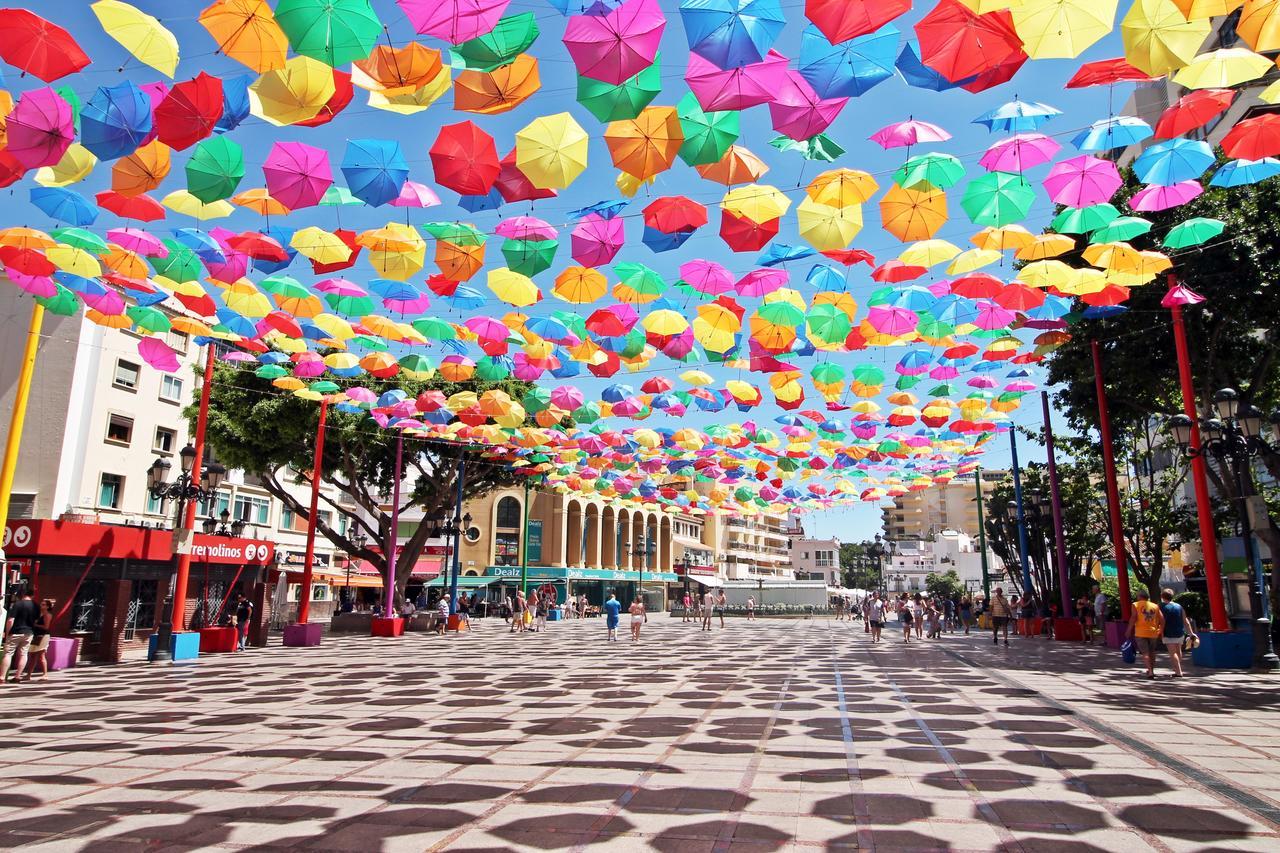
[334, 32]
[375, 170]
[646, 145]
[38, 47]
[618, 44]
[293, 94]
[246, 31]
[464, 159]
[735, 88]
[215, 169]
[1062, 28]
[552, 151]
[959, 43]
[732, 33]
[611, 102]
[116, 120]
[139, 33]
[851, 68]
[454, 21]
[497, 91]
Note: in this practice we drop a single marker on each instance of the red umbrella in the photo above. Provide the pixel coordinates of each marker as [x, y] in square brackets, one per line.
[841, 20]
[343, 92]
[895, 271]
[1002, 73]
[958, 43]
[674, 213]
[514, 185]
[40, 128]
[1019, 297]
[11, 171]
[189, 112]
[465, 159]
[977, 285]
[37, 46]
[1254, 138]
[849, 257]
[141, 207]
[743, 235]
[348, 237]
[1104, 72]
[1193, 110]
[258, 246]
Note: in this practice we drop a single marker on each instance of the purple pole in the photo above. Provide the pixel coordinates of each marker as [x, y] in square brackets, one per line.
[393, 549]
[1059, 541]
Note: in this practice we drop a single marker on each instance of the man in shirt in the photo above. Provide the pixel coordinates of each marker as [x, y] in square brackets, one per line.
[1146, 628]
[708, 608]
[1001, 612]
[875, 617]
[1099, 609]
[244, 614]
[19, 628]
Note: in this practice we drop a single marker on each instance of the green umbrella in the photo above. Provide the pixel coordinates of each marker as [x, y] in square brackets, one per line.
[333, 31]
[929, 171]
[215, 169]
[821, 147]
[905, 382]
[492, 369]
[180, 265]
[416, 363]
[529, 257]
[881, 296]
[827, 373]
[781, 314]
[435, 329]
[337, 196]
[457, 233]
[707, 135]
[1121, 228]
[148, 318]
[828, 324]
[538, 399]
[511, 37]
[371, 343]
[635, 343]
[63, 302]
[284, 286]
[81, 239]
[1193, 232]
[608, 102]
[270, 371]
[587, 413]
[1079, 220]
[868, 374]
[942, 389]
[934, 328]
[997, 199]
[352, 306]
[640, 278]
[324, 386]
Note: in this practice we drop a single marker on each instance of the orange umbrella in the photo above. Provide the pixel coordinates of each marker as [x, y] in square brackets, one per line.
[459, 263]
[397, 70]
[246, 31]
[647, 144]
[913, 215]
[259, 201]
[143, 170]
[499, 90]
[737, 166]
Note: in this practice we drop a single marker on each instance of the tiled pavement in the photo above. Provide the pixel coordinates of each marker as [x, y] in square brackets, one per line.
[763, 736]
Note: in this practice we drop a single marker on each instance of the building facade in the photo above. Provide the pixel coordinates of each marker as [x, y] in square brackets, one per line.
[921, 514]
[812, 559]
[913, 560]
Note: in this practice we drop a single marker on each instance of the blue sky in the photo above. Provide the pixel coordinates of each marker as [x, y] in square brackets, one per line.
[892, 100]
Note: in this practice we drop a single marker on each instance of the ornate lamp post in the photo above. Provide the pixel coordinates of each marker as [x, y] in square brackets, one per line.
[212, 527]
[182, 491]
[452, 529]
[359, 540]
[643, 552]
[1235, 437]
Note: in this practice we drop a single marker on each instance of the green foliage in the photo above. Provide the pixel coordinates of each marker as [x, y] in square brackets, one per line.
[858, 568]
[1196, 604]
[944, 584]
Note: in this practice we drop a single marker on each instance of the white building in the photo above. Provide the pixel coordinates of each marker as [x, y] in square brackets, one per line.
[812, 559]
[949, 550]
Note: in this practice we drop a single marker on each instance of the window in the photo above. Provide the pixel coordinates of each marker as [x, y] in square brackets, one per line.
[286, 518]
[119, 429]
[164, 441]
[171, 389]
[155, 505]
[508, 512]
[220, 502]
[251, 509]
[178, 341]
[110, 491]
[507, 549]
[141, 614]
[126, 376]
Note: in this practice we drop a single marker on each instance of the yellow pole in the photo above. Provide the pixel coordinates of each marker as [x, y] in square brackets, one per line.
[14, 440]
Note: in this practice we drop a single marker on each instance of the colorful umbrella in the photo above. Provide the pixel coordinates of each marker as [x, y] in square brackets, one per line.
[1175, 160]
[116, 120]
[1254, 138]
[139, 33]
[1019, 153]
[611, 102]
[512, 36]
[375, 170]
[497, 91]
[454, 21]
[246, 31]
[334, 32]
[38, 47]
[908, 133]
[1158, 38]
[798, 112]
[552, 151]
[957, 43]
[293, 94]
[849, 69]
[1062, 28]
[731, 33]
[1192, 111]
[39, 129]
[646, 145]
[707, 135]
[735, 88]
[737, 166]
[215, 169]
[912, 215]
[465, 159]
[1222, 68]
[1082, 181]
[842, 20]
[297, 174]
[616, 45]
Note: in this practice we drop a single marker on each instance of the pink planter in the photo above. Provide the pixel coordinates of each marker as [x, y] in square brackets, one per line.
[63, 652]
[303, 634]
[1115, 633]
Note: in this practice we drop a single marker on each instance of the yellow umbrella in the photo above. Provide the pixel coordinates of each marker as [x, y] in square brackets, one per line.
[399, 265]
[842, 301]
[1223, 68]
[513, 288]
[1003, 238]
[828, 228]
[913, 214]
[1271, 94]
[139, 33]
[580, 285]
[336, 327]
[665, 322]
[259, 200]
[291, 94]
[1062, 29]
[319, 245]
[1158, 39]
[76, 164]
[392, 237]
[842, 187]
[647, 144]
[789, 295]
[1196, 9]
[244, 298]
[736, 166]
[181, 201]
[973, 259]
[246, 31]
[756, 202]
[629, 184]
[551, 151]
[416, 101]
[1045, 274]
[927, 253]
[1112, 256]
[1046, 246]
[73, 260]
[697, 378]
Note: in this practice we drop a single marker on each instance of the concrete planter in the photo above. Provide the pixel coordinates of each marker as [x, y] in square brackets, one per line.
[351, 623]
[303, 634]
[1224, 650]
[183, 645]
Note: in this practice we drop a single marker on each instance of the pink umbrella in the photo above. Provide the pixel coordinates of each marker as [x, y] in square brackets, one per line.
[297, 174]
[596, 240]
[944, 371]
[525, 228]
[629, 407]
[235, 356]
[454, 21]
[1155, 198]
[706, 277]
[798, 111]
[982, 382]
[566, 397]
[891, 320]
[360, 394]
[110, 302]
[40, 128]
[413, 305]
[1180, 295]
[617, 45]
[234, 267]
[909, 132]
[156, 353]
[526, 370]
[487, 328]
[1019, 152]
[678, 346]
[992, 315]
[36, 285]
[414, 194]
[137, 240]
[1082, 181]
[737, 88]
[761, 282]
[309, 366]
[341, 287]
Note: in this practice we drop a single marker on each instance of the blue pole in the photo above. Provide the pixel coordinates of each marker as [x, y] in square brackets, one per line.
[1022, 515]
[457, 547]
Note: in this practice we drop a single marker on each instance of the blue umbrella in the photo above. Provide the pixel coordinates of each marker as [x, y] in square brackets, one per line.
[1053, 308]
[391, 289]
[235, 102]
[283, 236]
[547, 327]
[732, 33]
[491, 200]
[825, 277]
[1238, 173]
[1173, 161]
[913, 298]
[850, 68]
[64, 205]
[568, 367]
[80, 284]
[1017, 117]
[375, 170]
[115, 121]
[660, 241]
[465, 299]
[1100, 312]
[921, 76]
[237, 324]
[201, 243]
[780, 253]
[1114, 132]
[606, 209]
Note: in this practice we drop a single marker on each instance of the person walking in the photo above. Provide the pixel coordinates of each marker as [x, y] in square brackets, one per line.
[721, 603]
[612, 607]
[1084, 607]
[1001, 612]
[244, 614]
[685, 604]
[1146, 628]
[40, 640]
[1100, 611]
[708, 609]
[19, 629]
[875, 617]
[540, 615]
[906, 617]
[1177, 630]
[751, 608]
[917, 613]
[638, 617]
[966, 613]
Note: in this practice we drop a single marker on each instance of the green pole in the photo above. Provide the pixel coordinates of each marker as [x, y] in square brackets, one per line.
[524, 545]
[982, 535]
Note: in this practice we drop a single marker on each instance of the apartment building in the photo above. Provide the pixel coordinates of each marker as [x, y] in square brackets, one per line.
[921, 514]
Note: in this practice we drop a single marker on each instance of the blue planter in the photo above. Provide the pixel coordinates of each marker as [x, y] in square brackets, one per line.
[183, 645]
[1224, 650]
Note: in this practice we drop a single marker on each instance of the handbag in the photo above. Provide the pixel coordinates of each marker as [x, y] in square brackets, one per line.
[1129, 651]
[1190, 643]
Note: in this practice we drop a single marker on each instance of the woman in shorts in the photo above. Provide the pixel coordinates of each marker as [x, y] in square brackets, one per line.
[906, 617]
[637, 619]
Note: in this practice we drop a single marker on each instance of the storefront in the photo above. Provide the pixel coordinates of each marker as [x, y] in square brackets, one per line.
[109, 582]
[496, 582]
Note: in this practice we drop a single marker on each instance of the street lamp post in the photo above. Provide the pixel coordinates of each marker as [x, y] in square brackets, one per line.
[642, 552]
[183, 490]
[359, 540]
[1235, 437]
[211, 527]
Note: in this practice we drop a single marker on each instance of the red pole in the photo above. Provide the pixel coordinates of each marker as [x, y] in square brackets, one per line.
[189, 512]
[1200, 479]
[304, 597]
[1113, 488]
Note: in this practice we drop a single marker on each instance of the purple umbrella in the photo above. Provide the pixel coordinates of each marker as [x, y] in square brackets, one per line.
[706, 277]
[737, 88]
[297, 174]
[1019, 152]
[909, 132]
[762, 282]
[596, 240]
[454, 21]
[525, 228]
[40, 128]
[890, 320]
[414, 194]
[1082, 181]
[1154, 198]
[992, 315]
[799, 112]
[618, 45]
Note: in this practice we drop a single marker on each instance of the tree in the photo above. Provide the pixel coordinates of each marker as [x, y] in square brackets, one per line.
[271, 435]
[944, 584]
[858, 568]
